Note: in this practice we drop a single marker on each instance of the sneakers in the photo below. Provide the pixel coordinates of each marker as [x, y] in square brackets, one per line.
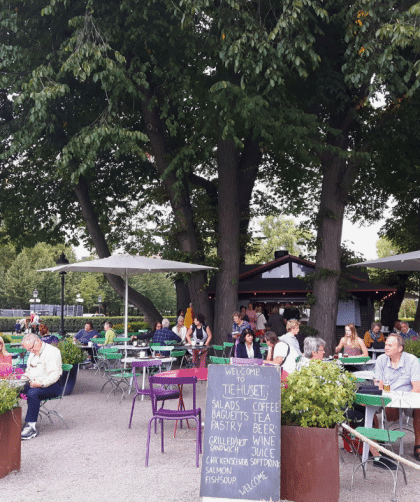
[28, 432]
[385, 463]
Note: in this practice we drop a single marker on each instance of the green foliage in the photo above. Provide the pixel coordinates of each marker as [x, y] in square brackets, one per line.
[70, 353]
[413, 347]
[317, 395]
[9, 397]
[279, 233]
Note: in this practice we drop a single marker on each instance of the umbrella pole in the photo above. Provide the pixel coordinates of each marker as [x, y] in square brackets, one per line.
[126, 307]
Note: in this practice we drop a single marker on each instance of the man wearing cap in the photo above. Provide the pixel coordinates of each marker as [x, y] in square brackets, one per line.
[43, 371]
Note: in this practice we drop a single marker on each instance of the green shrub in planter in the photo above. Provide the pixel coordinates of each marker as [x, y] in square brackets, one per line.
[9, 396]
[317, 395]
[70, 353]
[413, 347]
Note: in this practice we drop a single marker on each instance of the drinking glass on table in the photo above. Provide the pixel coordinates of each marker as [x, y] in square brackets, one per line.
[387, 386]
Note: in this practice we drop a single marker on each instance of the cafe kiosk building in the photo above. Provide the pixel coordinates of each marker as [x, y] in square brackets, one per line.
[278, 282]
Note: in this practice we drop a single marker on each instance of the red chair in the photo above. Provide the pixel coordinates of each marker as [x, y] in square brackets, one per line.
[161, 394]
[167, 414]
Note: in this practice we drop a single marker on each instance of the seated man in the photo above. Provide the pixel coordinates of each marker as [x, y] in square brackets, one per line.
[406, 331]
[85, 335]
[401, 371]
[43, 371]
[313, 349]
[164, 334]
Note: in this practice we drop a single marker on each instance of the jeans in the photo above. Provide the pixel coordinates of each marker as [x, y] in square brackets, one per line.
[36, 395]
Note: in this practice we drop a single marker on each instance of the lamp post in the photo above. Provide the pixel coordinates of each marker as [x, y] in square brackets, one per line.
[99, 303]
[62, 261]
[79, 300]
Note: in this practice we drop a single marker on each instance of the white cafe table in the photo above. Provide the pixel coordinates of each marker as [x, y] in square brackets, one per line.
[400, 400]
[365, 374]
[165, 361]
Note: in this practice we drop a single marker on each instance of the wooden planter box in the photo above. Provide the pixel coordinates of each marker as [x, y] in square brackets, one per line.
[10, 428]
[309, 464]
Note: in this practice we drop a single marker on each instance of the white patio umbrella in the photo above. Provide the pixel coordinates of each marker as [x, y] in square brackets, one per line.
[126, 266]
[407, 262]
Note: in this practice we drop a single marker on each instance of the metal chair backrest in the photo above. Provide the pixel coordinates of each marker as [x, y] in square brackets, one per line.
[98, 340]
[109, 350]
[16, 350]
[121, 339]
[242, 361]
[159, 380]
[219, 360]
[144, 364]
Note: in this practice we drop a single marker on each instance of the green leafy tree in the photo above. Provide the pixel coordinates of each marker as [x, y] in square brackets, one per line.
[279, 233]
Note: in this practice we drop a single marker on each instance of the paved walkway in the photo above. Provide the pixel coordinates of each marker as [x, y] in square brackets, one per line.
[99, 459]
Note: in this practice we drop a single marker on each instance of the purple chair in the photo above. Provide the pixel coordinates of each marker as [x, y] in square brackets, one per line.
[167, 414]
[160, 394]
[243, 361]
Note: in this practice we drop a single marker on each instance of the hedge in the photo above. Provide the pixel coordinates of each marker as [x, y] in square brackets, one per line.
[73, 324]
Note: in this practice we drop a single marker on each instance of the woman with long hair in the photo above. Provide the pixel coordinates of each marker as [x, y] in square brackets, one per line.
[353, 345]
[5, 359]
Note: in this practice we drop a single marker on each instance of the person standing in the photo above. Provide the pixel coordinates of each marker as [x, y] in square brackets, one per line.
[260, 323]
[200, 333]
[290, 337]
[43, 371]
[276, 322]
[252, 316]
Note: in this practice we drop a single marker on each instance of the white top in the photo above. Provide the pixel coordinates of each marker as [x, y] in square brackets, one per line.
[261, 320]
[280, 349]
[181, 332]
[250, 351]
[44, 367]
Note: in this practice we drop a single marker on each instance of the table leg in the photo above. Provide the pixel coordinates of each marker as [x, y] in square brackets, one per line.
[401, 453]
[369, 414]
[143, 382]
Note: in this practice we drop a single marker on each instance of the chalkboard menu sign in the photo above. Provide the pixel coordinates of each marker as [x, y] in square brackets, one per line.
[241, 456]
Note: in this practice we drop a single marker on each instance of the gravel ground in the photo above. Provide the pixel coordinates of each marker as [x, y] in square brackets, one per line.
[100, 459]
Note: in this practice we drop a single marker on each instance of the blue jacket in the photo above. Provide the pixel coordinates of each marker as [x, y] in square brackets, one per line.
[241, 351]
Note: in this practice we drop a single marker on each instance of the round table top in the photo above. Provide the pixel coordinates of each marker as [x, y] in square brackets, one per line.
[200, 373]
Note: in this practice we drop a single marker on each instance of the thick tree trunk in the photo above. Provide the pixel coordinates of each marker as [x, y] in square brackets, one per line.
[183, 298]
[335, 186]
[228, 245]
[248, 171]
[144, 304]
[181, 206]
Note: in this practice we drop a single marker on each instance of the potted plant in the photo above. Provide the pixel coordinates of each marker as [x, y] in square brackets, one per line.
[70, 354]
[313, 403]
[10, 426]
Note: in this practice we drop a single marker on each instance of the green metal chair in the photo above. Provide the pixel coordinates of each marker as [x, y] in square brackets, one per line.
[229, 347]
[178, 354]
[219, 360]
[217, 348]
[121, 339]
[48, 411]
[384, 436]
[116, 375]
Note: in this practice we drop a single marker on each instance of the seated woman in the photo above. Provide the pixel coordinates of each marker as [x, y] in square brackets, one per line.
[6, 366]
[280, 352]
[375, 335]
[313, 349]
[353, 345]
[247, 347]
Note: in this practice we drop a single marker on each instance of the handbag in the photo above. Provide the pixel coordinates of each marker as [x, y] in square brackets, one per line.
[378, 345]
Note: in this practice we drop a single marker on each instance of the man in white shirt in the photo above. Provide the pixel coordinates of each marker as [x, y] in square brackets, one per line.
[43, 371]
